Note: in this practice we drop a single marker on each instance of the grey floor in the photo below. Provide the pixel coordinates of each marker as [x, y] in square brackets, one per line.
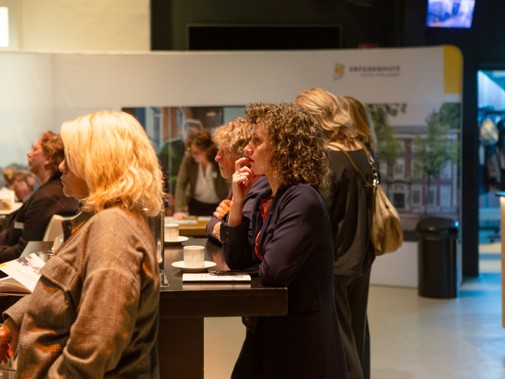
[412, 337]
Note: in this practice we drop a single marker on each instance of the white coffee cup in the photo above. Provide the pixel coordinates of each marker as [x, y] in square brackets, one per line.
[194, 256]
[171, 232]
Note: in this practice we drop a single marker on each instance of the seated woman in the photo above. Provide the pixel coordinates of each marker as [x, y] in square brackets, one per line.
[289, 235]
[199, 187]
[94, 311]
[29, 222]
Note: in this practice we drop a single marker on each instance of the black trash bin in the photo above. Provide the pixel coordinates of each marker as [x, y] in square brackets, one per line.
[437, 257]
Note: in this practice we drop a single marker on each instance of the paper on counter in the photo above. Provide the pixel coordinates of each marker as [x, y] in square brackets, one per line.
[207, 277]
[186, 221]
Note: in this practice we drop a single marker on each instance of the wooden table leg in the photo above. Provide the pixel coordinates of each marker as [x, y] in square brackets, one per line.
[180, 348]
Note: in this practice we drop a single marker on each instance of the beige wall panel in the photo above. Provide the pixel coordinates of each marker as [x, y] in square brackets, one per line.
[91, 25]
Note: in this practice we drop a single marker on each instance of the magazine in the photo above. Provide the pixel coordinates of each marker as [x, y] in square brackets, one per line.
[11, 287]
[23, 275]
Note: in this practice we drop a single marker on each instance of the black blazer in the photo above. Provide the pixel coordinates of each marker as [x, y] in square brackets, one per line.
[29, 222]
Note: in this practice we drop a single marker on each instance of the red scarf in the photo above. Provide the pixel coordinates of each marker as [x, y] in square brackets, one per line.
[264, 208]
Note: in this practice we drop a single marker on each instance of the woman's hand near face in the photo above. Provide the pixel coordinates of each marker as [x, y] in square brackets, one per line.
[242, 180]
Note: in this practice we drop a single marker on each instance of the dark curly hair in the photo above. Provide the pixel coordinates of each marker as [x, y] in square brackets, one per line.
[296, 142]
[203, 140]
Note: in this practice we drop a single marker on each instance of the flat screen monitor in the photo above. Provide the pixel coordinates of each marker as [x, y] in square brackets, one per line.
[450, 13]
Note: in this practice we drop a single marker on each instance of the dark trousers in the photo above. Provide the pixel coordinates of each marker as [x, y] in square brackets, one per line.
[351, 300]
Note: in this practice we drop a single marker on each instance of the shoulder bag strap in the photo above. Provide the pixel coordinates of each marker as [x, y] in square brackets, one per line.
[357, 170]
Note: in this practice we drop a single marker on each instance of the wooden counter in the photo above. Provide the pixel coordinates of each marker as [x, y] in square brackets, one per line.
[184, 306]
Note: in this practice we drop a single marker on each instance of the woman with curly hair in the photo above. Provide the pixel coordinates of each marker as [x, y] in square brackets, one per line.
[348, 136]
[94, 311]
[288, 235]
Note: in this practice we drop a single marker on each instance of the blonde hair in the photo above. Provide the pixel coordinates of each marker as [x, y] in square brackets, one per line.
[331, 113]
[111, 152]
[361, 121]
[236, 133]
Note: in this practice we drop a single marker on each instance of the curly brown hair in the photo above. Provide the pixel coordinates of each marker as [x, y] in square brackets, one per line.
[296, 142]
[203, 140]
[236, 133]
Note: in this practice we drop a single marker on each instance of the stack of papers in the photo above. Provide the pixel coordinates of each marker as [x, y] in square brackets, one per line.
[208, 277]
[186, 221]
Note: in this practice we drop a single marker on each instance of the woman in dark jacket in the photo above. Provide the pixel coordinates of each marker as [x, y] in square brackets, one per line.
[289, 236]
[29, 222]
[348, 136]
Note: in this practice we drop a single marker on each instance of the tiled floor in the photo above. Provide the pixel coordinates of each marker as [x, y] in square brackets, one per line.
[412, 337]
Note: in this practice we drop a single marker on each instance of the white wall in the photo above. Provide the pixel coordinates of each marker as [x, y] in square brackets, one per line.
[40, 90]
[84, 25]
[397, 269]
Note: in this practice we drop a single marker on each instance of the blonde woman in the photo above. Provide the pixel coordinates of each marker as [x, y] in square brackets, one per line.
[94, 311]
[350, 205]
[361, 122]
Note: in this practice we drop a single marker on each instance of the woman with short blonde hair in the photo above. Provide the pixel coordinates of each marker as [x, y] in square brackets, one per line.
[120, 168]
[94, 311]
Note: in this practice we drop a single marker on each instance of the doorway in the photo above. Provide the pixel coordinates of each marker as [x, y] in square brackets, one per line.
[491, 123]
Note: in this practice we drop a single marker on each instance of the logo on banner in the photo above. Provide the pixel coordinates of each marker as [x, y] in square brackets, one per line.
[338, 71]
[367, 71]
[375, 70]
